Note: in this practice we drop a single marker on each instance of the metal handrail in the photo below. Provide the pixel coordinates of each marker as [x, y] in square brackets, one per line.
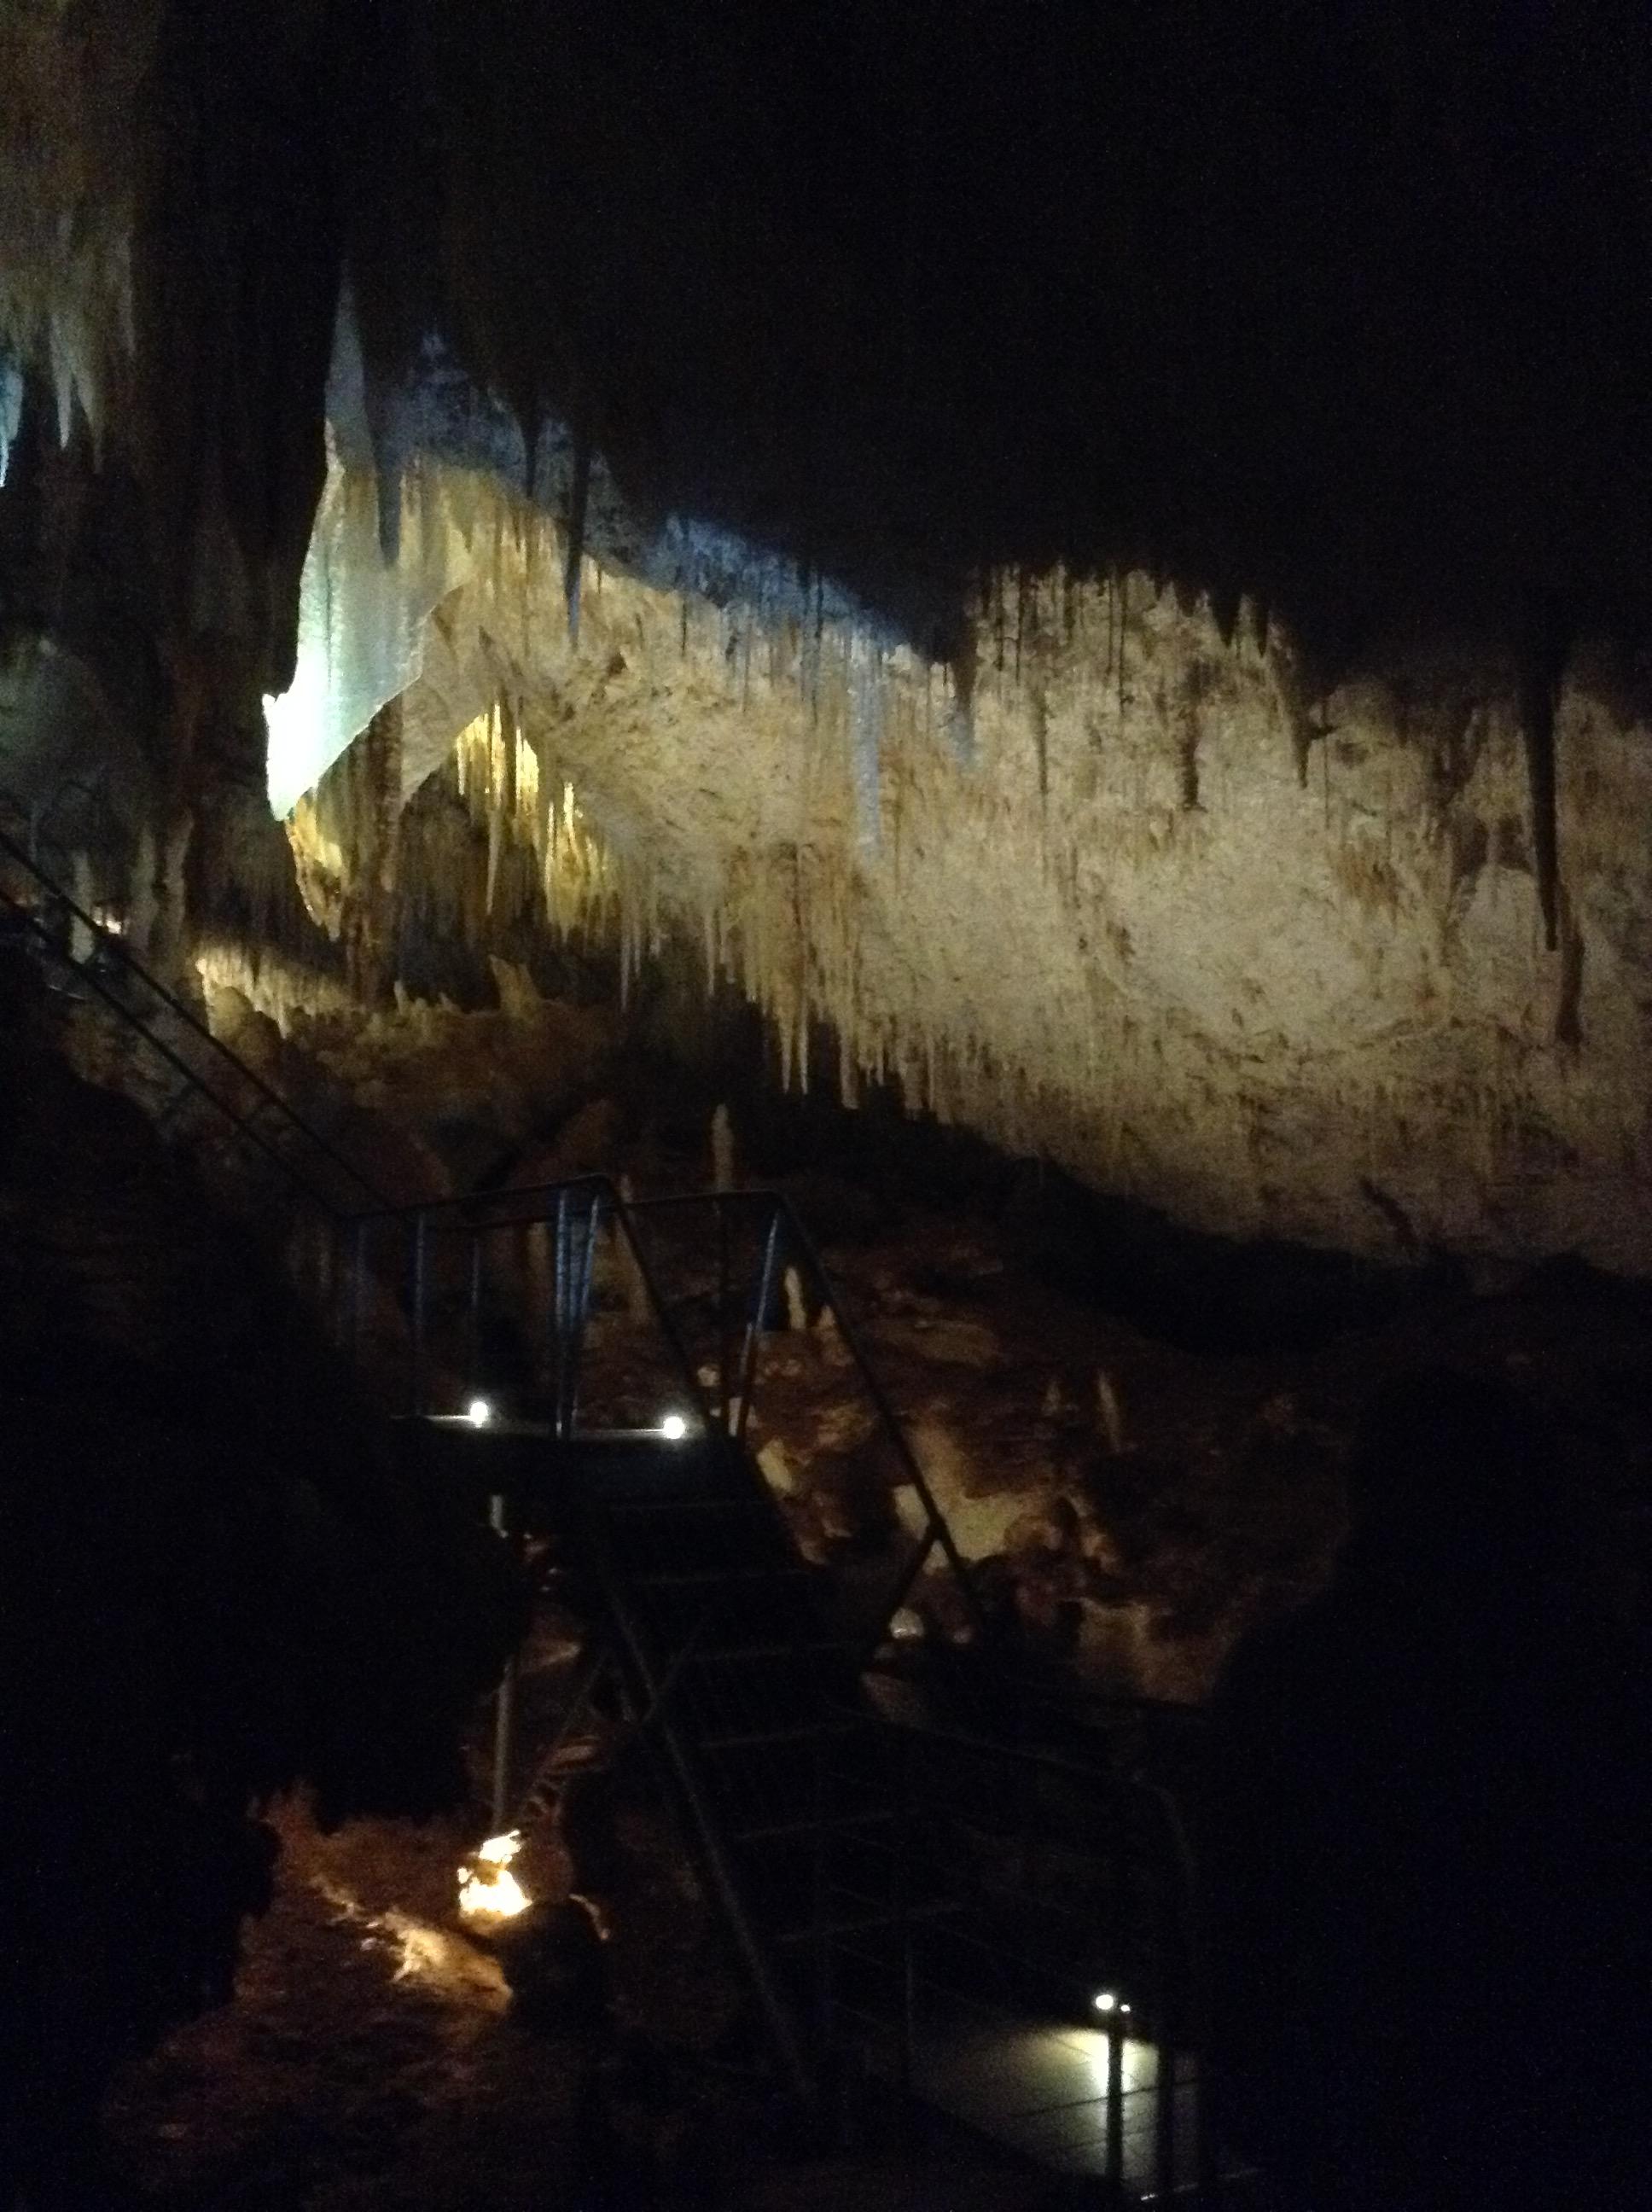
[475, 1214]
[937, 1532]
[111, 949]
[685, 1767]
[1144, 1830]
[1147, 1829]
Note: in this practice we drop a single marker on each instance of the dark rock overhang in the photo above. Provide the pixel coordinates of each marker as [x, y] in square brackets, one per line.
[1341, 308]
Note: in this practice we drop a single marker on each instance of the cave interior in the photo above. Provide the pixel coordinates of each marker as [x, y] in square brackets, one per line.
[1021, 643]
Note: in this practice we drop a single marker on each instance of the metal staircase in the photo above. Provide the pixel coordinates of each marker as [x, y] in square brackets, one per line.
[722, 1645]
[729, 1652]
[85, 959]
[881, 1864]
[878, 1862]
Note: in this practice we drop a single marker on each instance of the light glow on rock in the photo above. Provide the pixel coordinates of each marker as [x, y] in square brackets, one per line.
[487, 1887]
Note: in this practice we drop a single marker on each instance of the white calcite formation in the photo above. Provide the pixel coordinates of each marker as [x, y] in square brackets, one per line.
[68, 79]
[1124, 898]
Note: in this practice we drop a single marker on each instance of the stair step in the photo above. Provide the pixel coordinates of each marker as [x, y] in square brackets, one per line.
[757, 1739]
[731, 1654]
[782, 1830]
[857, 1923]
[662, 1579]
[682, 1502]
[568, 1758]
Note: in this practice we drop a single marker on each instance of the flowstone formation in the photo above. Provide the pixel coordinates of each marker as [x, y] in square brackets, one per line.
[1109, 885]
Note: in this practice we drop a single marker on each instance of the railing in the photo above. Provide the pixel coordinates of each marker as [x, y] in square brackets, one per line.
[574, 1307]
[49, 921]
[1069, 1885]
[736, 1261]
[538, 1302]
[656, 1710]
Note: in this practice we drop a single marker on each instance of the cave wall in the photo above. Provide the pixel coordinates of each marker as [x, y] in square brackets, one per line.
[1112, 887]
[1127, 878]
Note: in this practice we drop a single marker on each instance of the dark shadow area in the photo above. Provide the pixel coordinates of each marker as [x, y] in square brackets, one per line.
[213, 1588]
[1427, 1836]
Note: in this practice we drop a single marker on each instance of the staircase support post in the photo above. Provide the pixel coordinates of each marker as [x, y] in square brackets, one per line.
[505, 1706]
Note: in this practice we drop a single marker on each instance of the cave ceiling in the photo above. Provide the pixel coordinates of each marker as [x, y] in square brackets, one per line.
[1343, 307]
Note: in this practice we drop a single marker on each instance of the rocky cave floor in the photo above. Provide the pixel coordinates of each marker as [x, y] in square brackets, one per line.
[1134, 1528]
[371, 2058]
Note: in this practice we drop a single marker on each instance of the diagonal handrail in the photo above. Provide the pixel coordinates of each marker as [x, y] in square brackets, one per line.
[368, 1206]
[783, 1217]
[487, 1213]
[683, 1757]
[480, 1213]
[113, 953]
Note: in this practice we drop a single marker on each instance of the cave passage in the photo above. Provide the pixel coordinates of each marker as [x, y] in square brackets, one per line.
[825, 963]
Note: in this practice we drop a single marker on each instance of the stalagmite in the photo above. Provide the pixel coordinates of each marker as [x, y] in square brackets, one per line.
[141, 902]
[82, 939]
[722, 1151]
[639, 1306]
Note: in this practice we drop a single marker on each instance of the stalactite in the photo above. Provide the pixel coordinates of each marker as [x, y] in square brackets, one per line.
[11, 408]
[1568, 1019]
[1121, 593]
[578, 501]
[1187, 737]
[1544, 645]
[960, 720]
[1225, 612]
[866, 718]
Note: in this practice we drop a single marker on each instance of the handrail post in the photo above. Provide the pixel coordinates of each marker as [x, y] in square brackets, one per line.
[551, 1334]
[1165, 2026]
[819, 1911]
[419, 1220]
[624, 1222]
[903, 1897]
[1114, 2179]
[505, 1709]
[720, 1209]
[559, 1293]
[358, 1270]
[587, 1272]
[885, 1414]
[478, 1380]
[754, 1333]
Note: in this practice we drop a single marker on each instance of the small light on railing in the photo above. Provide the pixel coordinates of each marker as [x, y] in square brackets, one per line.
[478, 1412]
[1107, 2001]
[674, 1428]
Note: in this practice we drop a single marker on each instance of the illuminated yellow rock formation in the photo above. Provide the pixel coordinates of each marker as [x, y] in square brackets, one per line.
[1129, 904]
